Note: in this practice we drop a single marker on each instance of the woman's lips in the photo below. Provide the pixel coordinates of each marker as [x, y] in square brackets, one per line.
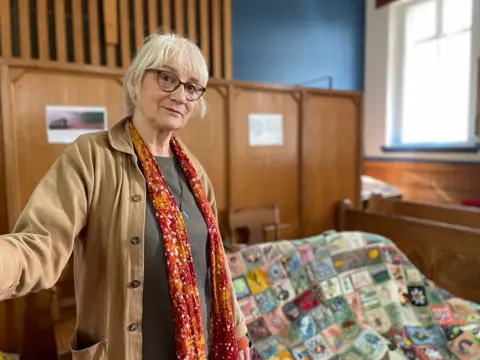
[174, 111]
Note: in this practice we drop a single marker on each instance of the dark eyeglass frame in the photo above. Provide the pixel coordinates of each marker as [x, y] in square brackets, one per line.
[180, 82]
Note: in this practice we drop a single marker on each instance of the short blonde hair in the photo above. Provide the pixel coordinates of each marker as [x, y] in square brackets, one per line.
[156, 51]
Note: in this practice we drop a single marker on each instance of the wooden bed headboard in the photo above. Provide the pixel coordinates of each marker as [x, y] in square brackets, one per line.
[447, 254]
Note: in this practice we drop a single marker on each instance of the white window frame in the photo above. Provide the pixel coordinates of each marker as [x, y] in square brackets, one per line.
[395, 79]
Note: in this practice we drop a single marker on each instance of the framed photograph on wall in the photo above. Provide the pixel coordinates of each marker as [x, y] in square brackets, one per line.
[65, 123]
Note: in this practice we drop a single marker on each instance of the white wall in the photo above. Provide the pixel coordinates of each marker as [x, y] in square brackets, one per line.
[379, 61]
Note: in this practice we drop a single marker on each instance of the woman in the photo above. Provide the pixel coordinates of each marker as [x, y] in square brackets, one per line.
[138, 212]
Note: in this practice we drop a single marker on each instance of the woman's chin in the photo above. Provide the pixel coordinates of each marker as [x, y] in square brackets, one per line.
[169, 123]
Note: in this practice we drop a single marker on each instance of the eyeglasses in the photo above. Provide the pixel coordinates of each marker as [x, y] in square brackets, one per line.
[170, 82]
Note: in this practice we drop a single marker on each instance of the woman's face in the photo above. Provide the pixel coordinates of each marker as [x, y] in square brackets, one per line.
[164, 110]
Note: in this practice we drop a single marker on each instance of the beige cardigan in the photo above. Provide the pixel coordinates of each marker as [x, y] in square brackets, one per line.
[93, 201]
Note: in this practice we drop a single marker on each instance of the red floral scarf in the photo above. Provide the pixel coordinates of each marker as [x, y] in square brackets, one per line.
[189, 336]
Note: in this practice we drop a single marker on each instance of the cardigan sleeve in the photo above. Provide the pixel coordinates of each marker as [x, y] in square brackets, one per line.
[34, 255]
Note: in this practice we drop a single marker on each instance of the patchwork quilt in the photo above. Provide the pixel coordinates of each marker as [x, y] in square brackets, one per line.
[348, 295]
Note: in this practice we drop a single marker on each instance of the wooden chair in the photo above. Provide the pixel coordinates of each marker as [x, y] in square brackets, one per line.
[253, 225]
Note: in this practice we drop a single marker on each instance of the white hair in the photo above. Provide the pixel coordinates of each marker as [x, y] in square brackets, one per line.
[157, 50]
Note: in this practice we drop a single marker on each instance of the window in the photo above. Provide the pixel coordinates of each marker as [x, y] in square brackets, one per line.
[433, 102]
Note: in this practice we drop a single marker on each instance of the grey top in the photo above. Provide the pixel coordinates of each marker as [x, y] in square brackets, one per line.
[158, 327]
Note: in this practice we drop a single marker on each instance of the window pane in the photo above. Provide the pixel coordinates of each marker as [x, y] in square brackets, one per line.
[419, 83]
[454, 85]
[457, 15]
[436, 91]
[421, 22]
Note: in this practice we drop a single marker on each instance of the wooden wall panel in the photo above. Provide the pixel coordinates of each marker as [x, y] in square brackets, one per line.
[28, 113]
[429, 181]
[266, 175]
[331, 153]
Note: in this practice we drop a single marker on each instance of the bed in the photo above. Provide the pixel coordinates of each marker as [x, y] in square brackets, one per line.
[349, 295]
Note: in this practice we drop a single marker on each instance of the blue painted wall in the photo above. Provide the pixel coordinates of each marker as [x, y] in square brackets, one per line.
[295, 41]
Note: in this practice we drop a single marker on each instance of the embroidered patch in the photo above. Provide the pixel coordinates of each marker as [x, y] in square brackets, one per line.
[331, 288]
[396, 272]
[417, 295]
[257, 281]
[292, 263]
[268, 347]
[307, 301]
[465, 347]
[335, 338]
[369, 298]
[452, 332]
[283, 291]
[253, 257]
[324, 270]
[318, 348]
[371, 345]
[306, 326]
[276, 321]
[378, 320]
[387, 293]
[361, 279]
[300, 353]
[290, 336]
[394, 314]
[425, 317]
[323, 317]
[271, 253]
[306, 254]
[379, 273]
[258, 330]
[276, 272]
[241, 288]
[346, 283]
[413, 276]
[419, 335]
[340, 309]
[236, 264]
[249, 309]
[300, 281]
[352, 353]
[291, 311]
[266, 301]
[392, 255]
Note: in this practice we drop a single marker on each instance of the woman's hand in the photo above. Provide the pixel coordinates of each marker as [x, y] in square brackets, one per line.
[244, 354]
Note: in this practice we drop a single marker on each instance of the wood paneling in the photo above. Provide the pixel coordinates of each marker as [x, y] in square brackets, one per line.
[95, 31]
[316, 166]
[429, 181]
[331, 153]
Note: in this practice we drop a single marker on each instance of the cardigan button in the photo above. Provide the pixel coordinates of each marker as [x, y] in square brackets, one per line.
[135, 240]
[136, 198]
[133, 327]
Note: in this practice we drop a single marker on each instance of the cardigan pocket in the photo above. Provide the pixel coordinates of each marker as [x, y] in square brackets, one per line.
[97, 351]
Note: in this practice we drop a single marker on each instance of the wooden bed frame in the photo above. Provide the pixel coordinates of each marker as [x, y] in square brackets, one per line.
[448, 254]
[447, 213]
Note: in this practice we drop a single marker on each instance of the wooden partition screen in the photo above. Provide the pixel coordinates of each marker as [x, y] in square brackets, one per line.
[316, 166]
[108, 32]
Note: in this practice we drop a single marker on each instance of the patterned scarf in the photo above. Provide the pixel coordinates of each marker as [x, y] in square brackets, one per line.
[189, 335]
